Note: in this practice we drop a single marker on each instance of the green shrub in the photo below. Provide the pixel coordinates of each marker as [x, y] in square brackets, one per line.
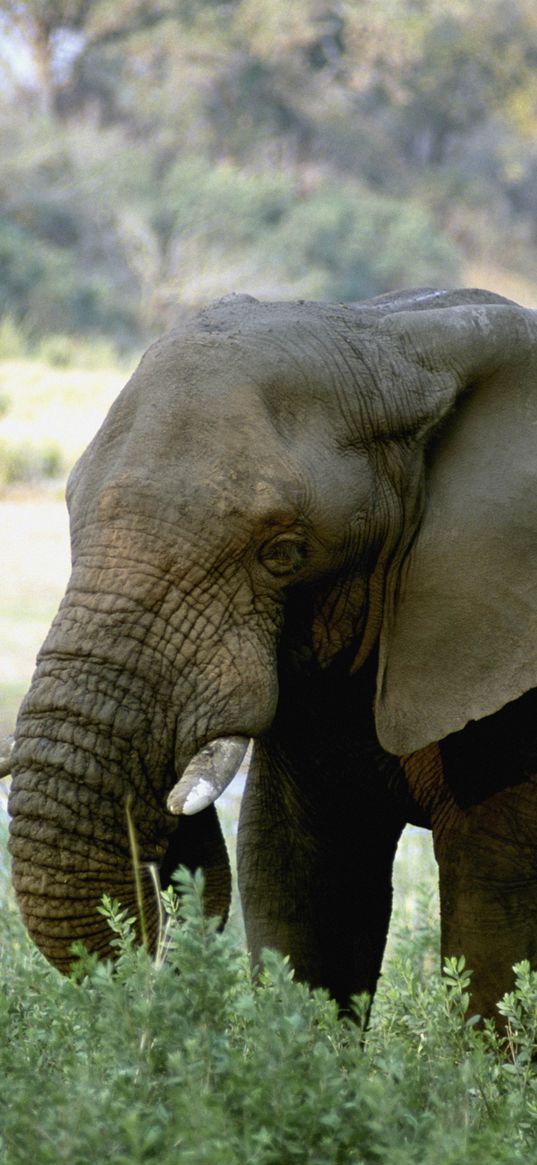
[221, 202]
[28, 464]
[58, 351]
[45, 285]
[13, 339]
[62, 351]
[357, 243]
[186, 1059]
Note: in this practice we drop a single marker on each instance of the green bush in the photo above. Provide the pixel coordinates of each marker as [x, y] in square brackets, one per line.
[222, 203]
[58, 351]
[27, 464]
[339, 241]
[185, 1059]
[44, 285]
[357, 243]
[13, 339]
[62, 351]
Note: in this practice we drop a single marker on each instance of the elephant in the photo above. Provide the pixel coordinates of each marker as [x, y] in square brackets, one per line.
[312, 526]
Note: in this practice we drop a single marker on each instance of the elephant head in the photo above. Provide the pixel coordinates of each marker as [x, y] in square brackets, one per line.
[282, 491]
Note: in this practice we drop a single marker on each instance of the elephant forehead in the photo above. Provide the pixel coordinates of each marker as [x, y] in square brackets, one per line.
[196, 494]
[319, 374]
[245, 423]
[214, 410]
[221, 499]
[290, 362]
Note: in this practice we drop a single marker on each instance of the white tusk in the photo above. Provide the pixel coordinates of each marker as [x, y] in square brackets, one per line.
[209, 772]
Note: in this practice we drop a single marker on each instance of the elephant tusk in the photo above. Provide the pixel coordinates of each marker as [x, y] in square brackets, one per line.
[6, 748]
[209, 772]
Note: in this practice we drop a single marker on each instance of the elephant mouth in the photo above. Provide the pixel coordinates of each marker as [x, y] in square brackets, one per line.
[207, 775]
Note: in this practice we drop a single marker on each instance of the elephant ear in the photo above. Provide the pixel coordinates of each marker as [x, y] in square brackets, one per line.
[459, 636]
[425, 298]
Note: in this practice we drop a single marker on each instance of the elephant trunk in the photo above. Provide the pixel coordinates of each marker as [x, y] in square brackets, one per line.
[88, 820]
[134, 689]
[69, 837]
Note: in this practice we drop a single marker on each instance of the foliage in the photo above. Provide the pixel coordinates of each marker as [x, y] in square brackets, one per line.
[183, 1057]
[154, 156]
[29, 463]
[13, 342]
[61, 351]
[355, 242]
[57, 244]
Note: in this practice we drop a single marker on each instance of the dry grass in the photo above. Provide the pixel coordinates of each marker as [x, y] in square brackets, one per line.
[59, 406]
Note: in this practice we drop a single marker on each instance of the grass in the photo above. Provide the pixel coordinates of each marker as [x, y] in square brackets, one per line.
[49, 415]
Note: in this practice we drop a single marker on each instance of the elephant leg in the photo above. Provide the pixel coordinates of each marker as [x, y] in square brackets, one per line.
[198, 843]
[315, 864]
[484, 832]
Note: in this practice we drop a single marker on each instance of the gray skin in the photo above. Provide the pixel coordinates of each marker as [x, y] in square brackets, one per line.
[315, 526]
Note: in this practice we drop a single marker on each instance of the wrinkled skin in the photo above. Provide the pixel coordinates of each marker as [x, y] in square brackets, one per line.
[299, 523]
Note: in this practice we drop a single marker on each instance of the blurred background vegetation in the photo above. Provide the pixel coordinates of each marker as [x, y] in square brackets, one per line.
[158, 154]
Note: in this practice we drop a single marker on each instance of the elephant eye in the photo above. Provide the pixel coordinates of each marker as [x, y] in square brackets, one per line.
[284, 555]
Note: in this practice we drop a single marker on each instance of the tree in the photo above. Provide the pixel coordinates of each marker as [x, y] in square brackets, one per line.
[57, 32]
[156, 154]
